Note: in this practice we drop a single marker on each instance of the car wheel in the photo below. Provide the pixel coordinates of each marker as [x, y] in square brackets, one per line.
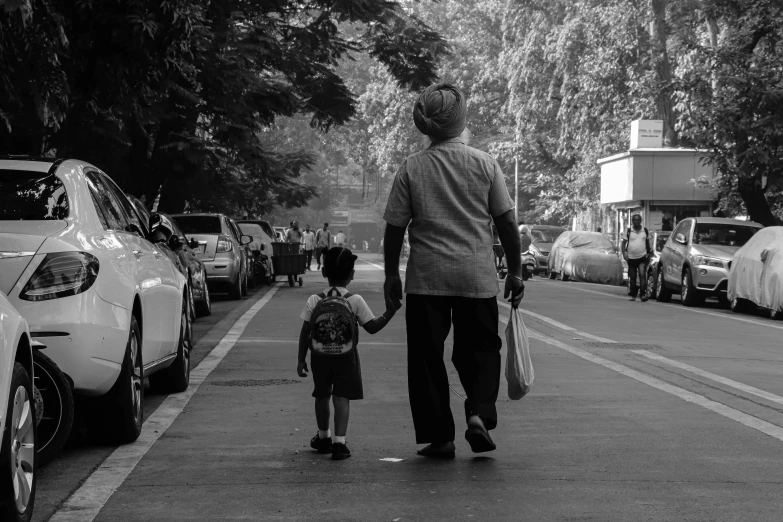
[176, 378]
[662, 294]
[53, 407]
[690, 296]
[650, 284]
[562, 276]
[18, 456]
[127, 412]
[775, 314]
[551, 275]
[235, 292]
[204, 307]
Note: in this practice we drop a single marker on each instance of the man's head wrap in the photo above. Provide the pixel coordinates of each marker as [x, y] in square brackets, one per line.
[441, 112]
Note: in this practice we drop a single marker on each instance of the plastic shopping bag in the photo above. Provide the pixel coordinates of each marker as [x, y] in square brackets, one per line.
[519, 366]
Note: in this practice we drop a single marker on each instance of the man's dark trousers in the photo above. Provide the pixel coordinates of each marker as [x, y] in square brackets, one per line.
[637, 267]
[309, 257]
[476, 357]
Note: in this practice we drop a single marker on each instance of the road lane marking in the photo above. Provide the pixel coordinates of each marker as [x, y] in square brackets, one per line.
[703, 312]
[558, 324]
[86, 502]
[721, 409]
[723, 380]
[402, 269]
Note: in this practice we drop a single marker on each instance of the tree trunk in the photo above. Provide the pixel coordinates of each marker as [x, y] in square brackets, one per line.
[752, 194]
[660, 59]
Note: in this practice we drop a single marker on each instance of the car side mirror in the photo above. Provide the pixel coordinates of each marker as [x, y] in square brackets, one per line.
[193, 243]
[245, 240]
[680, 238]
[175, 242]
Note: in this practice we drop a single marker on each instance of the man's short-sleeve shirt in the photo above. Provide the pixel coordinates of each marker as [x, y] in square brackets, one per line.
[357, 302]
[447, 196]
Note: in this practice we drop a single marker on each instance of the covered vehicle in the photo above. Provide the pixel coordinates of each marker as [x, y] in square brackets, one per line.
[756, 275]
[261, 247]
[585, 256]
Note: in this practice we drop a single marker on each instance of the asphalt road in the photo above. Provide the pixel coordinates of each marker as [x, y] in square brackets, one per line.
[639, 411]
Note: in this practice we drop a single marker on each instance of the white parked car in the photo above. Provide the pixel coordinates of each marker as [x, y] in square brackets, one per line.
[18, 434]
[108, 305]
[756, 277]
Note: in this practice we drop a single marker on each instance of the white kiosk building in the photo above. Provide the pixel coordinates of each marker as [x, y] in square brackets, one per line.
[658, 183]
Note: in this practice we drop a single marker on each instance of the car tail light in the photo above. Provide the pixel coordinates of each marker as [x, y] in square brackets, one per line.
[224, 244]
[61, 275]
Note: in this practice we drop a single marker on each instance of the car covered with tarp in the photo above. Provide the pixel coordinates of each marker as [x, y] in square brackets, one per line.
[585, 256]
[756, 275]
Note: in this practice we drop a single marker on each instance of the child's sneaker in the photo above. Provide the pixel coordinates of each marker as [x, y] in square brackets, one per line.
[321, 445]
[340, 451]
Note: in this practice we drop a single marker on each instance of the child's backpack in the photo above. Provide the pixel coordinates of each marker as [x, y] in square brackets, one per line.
[334, 329]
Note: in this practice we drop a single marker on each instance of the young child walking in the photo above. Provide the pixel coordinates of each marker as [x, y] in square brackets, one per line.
[330, 332]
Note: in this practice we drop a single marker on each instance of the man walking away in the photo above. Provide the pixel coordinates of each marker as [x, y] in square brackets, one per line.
[637, 251]
[446, 196]
[340, 239]
[308, 238]
[323, 242]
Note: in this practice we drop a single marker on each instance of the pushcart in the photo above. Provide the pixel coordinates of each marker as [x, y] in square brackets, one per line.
[287, 261]
[499, 254]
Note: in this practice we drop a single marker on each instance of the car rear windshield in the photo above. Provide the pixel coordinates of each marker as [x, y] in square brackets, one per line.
[724, 234]
[29, 195]
[199, 224]
[544, 236]
[252, 229]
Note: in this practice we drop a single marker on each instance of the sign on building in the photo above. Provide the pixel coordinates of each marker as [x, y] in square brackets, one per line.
[340, 217]
[646, 134]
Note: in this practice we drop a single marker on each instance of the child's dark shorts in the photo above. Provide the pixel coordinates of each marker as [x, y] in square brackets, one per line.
[341, 376]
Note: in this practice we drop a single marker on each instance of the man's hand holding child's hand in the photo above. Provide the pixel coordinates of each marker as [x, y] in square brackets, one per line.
[302, 369]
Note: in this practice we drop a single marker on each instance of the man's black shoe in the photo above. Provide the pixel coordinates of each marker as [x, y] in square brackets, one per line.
[321, 445]
[340, 451]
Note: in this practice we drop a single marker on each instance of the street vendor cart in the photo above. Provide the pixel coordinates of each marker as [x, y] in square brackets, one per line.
[288, 261]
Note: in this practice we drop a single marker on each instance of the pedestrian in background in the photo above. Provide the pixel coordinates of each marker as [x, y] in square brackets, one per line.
[339, 239]
[308, 238]
[323, 241]
[446, 196]
[524, 237]
[637, 251]
[294, 234]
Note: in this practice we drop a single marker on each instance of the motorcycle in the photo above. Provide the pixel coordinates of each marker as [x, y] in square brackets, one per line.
[528, 264]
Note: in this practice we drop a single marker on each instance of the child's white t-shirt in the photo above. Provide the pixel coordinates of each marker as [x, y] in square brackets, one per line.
[358, 305]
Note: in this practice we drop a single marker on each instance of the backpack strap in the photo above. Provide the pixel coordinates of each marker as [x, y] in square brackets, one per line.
[346, 295]
[322, 295]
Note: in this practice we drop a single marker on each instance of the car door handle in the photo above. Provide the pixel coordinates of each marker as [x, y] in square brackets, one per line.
[138, 253]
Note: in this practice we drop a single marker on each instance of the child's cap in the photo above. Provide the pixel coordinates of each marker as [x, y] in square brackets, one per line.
[338, 263]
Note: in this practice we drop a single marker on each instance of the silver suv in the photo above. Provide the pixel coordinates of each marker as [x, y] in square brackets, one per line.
[696, 258]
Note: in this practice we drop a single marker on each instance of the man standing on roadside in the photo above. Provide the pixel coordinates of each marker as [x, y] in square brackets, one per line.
[308, 238]
[294, 234]
[340, 239]
[637, 251]
[323, 241]
[446, 196]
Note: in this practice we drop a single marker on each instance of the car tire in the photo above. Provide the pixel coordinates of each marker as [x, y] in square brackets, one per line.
[775, 314]
[551, 275]
[690, 296]
[126, 411]
[562, 276]
[19, 461]
[54, 408]
[662, 294]
[176, 378]
[204, 307]
[235, 292]
[741, 306]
